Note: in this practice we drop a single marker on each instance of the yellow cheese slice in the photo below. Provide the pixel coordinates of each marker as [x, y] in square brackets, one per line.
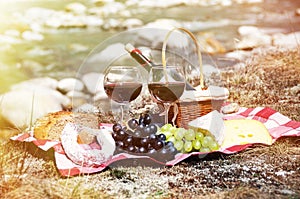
[245, 131]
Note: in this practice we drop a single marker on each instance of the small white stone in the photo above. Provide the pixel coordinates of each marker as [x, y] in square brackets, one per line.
[42, 81]
[77, 48]
[7, 39]
[76, 8]
[295, 89]
[76, 94]
[108, 55]
[132, 23]
[78, 98]
[252, 37]
[32, 36]
[290, 40]
[230, 108]
[12, 32]
[93, 82]
[70, 84]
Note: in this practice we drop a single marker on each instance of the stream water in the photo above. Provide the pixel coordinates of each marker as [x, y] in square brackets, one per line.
[55, 56]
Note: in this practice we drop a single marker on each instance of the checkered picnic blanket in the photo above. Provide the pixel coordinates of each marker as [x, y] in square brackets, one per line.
[277, 124]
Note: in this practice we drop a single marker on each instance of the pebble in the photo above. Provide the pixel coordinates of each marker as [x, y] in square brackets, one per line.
[132, 23]
[78, 98]
[18, 106]
[93, 82]
[12, 32]
[70, 84]
[32, 36]
[47, 82]
[106, 56]
[8, 39]
[154, 34]
[252, 37]
[78, 48]
[230, 108]
[76, 8]
[290, 40]
[295, 89]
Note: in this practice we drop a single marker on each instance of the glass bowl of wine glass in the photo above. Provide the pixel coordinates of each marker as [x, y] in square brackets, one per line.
[166, 85]
[122, 84]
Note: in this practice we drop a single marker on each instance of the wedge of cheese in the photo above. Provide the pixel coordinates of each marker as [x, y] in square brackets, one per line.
[245, 131]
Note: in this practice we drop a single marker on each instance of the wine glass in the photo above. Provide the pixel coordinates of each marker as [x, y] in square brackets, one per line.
[122, 84]
[166, 85]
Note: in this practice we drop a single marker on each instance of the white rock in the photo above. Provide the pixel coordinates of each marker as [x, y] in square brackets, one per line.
[238, 54]
[92, 21]
[76, 8]
[53, 23]
[18, 106]
[70, 84]
[39, 51]
[77, 97]
[37, 13]
[252, 37]
[247, 30]
[111, 24]
[110, 8]
[163, 24]
[93, 82]
[155, 36]
[108, 55]
[132, 23]
[291, 40]
[100, 96]
[7, 39]
[102, 2]
[43, 81]
[32, 36]
[13, 33]
[76, 94]
[77, 48]
[295, 89]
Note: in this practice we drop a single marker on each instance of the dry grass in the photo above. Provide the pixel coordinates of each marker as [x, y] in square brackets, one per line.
[257, 172]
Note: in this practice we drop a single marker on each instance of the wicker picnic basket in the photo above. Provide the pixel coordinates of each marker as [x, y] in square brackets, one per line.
[186, 110]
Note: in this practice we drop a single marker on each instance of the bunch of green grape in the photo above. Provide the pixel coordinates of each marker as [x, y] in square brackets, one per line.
[189, 140]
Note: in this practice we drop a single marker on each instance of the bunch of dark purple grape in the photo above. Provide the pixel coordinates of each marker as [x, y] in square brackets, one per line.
[139, 138]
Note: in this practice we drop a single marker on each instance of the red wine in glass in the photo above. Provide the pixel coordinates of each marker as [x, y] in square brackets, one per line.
[123, 92]
[166, 92]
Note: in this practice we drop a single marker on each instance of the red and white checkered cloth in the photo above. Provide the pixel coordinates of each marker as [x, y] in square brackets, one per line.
[277, 124]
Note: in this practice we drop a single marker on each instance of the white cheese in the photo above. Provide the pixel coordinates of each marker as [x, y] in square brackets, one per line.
[245, 131]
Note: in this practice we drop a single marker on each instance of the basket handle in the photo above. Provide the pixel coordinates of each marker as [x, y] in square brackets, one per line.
[163, 55]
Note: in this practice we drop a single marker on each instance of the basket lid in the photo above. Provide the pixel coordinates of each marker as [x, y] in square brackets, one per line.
[211, 93]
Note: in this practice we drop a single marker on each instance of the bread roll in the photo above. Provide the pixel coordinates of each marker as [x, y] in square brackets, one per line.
[50, 126]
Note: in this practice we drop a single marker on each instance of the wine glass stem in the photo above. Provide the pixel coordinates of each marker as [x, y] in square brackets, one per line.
[167, 108]
[122, 113]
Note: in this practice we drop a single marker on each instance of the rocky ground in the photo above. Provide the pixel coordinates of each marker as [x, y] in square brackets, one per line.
[269, 78]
